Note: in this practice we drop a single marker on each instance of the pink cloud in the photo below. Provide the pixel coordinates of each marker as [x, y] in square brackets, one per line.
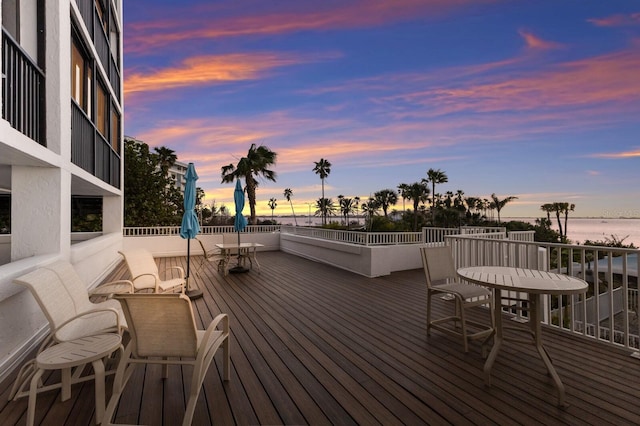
[618, 155]
[534, 42]
[211, 24]
[605, 79]
[618, 20]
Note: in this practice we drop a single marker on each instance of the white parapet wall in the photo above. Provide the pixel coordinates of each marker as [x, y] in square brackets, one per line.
[370, 261]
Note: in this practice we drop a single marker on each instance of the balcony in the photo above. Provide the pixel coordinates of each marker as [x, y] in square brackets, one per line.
[91, 151]
[312, 343]
[23, 91]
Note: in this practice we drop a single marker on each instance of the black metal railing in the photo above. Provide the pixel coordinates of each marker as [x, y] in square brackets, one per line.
[90, 150]
[23, 91]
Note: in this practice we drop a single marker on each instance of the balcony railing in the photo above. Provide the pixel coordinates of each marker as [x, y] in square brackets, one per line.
[140, 231]
[356, 237]
[90, 150]
[23, 91]
[609, 310]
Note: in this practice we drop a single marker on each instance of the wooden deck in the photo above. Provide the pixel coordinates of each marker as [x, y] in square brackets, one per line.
[312, 344]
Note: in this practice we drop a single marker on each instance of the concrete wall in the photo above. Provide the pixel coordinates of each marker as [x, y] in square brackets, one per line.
[370, 261]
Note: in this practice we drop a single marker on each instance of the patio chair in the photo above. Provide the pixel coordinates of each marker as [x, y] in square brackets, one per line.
[163, 331]
[64, 300]
[210, 254]
[145, 274]
[442, 279]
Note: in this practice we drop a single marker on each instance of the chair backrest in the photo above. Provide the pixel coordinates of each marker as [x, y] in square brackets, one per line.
[207, 249]
[438, 265]
[58, 290]
[141, 261]
[160, 325]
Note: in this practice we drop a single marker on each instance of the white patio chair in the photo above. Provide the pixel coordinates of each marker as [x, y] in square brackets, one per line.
[442, 279]
[163, 331]
[145, 274]
[64, 300]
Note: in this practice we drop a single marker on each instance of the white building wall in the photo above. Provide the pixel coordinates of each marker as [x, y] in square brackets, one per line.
[42, 181]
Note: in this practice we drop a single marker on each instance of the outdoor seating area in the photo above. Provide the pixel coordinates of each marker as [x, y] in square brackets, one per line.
[314, 344]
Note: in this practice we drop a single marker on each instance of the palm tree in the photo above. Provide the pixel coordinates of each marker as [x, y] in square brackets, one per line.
[348, 206]
[325, 207]
[560, 208]
[272, 204]
[499, 204]
[166, 158]
[323, 168]
[287, 194]
[385, 198]
[547, 208]
[256, 163]
[435, 177]
[369, 209]
[402, 190]
[567, 208]
[418, 192]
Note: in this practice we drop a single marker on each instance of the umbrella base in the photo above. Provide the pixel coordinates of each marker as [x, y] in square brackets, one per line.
[193, 294]
[238, 270]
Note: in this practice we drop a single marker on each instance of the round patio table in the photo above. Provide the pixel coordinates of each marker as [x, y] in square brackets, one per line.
[74, 353]
[536, 284]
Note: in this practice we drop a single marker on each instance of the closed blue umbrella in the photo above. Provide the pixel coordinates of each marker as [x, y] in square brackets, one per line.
[190, 227]
[239, 221]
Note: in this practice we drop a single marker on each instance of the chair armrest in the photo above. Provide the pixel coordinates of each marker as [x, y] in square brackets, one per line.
[86, 313]
[113, 287]
[220, 319]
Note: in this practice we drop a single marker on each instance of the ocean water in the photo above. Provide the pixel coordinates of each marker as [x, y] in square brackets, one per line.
[580, 229]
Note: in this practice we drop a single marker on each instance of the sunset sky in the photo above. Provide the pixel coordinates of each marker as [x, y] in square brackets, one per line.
[536, 99]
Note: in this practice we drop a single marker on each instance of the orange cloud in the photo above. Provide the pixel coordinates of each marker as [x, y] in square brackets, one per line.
[535, 42]
[618, 20]
[211, 69]
[210, 23]
[618, 155]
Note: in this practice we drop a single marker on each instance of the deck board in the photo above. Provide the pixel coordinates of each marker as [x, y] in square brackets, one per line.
[313, 344]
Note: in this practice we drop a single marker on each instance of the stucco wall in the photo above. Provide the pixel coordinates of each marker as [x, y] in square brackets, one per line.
[370, 261]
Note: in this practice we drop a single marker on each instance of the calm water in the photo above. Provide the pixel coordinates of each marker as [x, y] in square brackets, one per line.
[597, 229]
[579, 229]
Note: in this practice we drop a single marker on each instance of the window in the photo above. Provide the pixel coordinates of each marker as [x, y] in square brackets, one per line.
[10, 21]
[114, 40]
[102, 16]
[115, 129]
[77, 75]
[101, 110]
[81, 78]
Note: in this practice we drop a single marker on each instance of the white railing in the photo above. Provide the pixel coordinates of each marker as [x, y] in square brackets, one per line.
[433, 235]
[522, 235]
[355, 237]
[613, 312]
[205, 230]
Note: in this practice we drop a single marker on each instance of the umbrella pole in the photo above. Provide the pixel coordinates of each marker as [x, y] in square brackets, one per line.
[238, 268]
[191, 294]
